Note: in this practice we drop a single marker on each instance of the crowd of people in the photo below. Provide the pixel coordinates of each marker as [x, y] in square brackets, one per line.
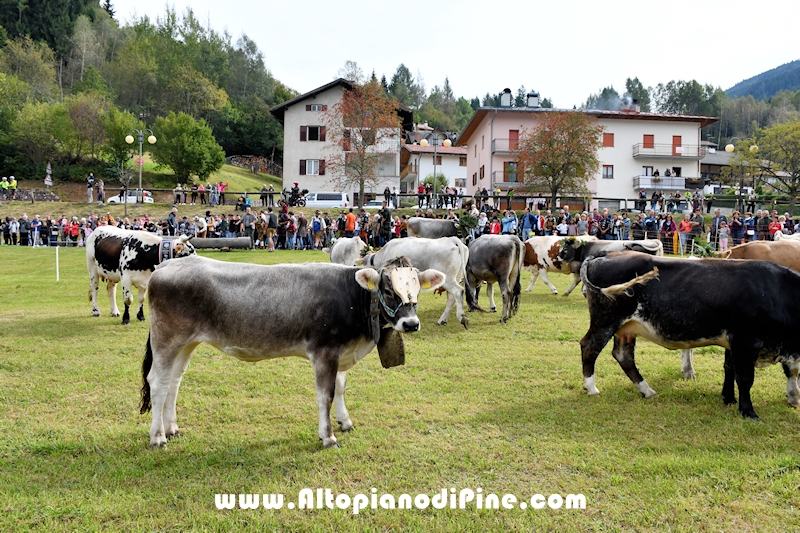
[281, 228]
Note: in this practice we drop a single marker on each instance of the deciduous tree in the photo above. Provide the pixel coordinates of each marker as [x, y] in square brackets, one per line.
[365, 128]
[187, 146]
[779, 156]
[559, 155]
[32, 62]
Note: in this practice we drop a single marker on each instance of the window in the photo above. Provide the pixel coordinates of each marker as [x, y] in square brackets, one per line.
[312, 133]
[462, 161]
[476, 149]
[475, 178]
[316, 107]
[510, 171]
[649, 141]
[647, 171]
[608, 140]
[608, 172]
[483, 146]
[437, 160]
[312, 167]
[461, 182]
[482, 172]
[513, 139]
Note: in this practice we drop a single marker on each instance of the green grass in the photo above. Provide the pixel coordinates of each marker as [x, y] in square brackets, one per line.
[499, 407]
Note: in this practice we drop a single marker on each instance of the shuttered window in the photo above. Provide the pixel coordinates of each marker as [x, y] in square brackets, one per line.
[346, 140]
[321, 167]
[608, 140]
[303, 133]
[649, 141]
[302, 167]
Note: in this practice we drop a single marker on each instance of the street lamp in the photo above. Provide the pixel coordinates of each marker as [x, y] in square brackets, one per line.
[753, 149]
[437, 135]
[150, 139]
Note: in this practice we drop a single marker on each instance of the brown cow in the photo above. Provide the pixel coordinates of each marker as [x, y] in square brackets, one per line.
[785, 252]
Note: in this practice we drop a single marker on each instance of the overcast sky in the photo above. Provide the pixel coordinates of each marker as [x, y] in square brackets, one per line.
[563, 49]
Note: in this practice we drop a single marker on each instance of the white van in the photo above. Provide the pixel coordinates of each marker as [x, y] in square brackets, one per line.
[327, 200]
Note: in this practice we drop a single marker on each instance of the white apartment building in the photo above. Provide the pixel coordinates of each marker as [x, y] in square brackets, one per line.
[418, 162]
[306, 145]
[635, 145]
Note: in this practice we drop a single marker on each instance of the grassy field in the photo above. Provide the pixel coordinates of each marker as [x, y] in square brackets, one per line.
[499, 407]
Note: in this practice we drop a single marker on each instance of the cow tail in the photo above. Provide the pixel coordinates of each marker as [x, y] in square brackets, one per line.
[585, 275]
[517, 282]
[146, 365]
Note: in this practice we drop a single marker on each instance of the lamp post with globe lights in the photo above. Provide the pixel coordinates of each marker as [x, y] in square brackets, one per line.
[437, 135]
[139, 161]
[730, 147]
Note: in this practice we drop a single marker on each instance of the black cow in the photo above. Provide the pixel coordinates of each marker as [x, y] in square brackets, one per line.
[682, 304]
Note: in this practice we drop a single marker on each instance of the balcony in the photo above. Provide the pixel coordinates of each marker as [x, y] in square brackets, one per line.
[686, 151]
[409, 171]
[505, 179]
[666, 183]
[504, 146]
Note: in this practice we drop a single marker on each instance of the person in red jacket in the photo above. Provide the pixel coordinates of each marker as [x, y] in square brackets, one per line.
[74, 231]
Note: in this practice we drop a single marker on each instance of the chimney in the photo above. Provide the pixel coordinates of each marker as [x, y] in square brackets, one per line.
[629, 105]
[505, 98]
[533, 99]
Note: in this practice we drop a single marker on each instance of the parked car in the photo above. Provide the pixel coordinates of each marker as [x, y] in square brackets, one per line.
[321, 200]
[377, 204]
[132, 198]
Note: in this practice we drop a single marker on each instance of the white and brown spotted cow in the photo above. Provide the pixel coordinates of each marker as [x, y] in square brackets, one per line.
[541, 257]
[114, 255]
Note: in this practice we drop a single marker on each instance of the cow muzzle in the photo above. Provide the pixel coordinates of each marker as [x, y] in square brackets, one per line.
[408, 325]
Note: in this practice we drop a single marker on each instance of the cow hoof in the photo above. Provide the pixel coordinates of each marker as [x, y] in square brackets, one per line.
[115, 315]
[689, 375]
[442, 323]
[331, 443]
[751, 415]
[173, 435]
[492, 309]
[527, 290]
[465, 322]
[729, 401]
[126, 322]
[645, 389]
[157, 445]
[95, 313]
[346, 426]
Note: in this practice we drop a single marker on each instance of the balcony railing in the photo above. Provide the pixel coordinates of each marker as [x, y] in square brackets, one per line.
[685, 151]
[662, 182]
[410, 169]
[504, 145]
[502, 178]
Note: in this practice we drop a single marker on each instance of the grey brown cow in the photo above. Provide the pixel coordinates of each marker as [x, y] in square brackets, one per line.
[495, 259]
[331, 314]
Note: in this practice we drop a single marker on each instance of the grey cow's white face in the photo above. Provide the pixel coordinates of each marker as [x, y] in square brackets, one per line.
[183, 247]
[399, 289]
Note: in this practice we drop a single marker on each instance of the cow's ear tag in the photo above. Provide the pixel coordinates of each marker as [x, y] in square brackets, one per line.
[371, 285]
[425, 284]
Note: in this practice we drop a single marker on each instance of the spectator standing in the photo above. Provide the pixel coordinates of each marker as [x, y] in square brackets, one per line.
[749, 228]
[736, 228]
[101, 193]
[36, 227]
[24, 230]
[302, 231]
[13, 229]
[319, 228]
[90, 187]
[12, 187]
[715, 223]
[202, 191]
[723, 233]
[4, 188]
[762, 225]
[667, 233]
[684, 230]
[249, 224]
[698, 225]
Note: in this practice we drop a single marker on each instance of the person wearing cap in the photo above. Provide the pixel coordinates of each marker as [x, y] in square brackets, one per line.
[12, 187]
[318, 228]
[4, 188]
[24, 229]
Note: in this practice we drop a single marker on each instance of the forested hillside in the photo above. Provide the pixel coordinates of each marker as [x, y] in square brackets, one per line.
[767, 84]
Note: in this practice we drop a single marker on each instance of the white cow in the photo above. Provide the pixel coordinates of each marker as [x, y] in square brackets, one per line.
[346, 250]
[448, 255]
[779, 235]
[119, 255]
